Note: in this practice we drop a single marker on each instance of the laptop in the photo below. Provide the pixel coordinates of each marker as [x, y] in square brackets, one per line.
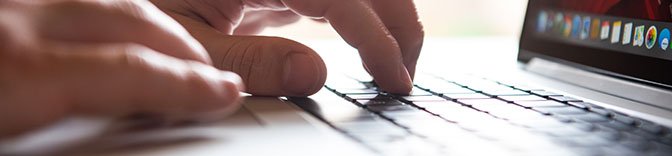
[588, 78]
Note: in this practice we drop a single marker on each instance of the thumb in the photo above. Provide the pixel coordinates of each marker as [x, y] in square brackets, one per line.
[270, 66]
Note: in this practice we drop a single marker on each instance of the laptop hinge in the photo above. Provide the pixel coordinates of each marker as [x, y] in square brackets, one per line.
[625, 89]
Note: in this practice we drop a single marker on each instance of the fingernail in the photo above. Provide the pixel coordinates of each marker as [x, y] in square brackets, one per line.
[301, 74]
[405, 78]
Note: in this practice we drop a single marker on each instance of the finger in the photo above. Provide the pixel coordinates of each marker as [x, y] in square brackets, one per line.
[401, 19]
[268, 65]
[255, 21]
[129, 78]
[359, 25]
[119, 21]
[110, 80]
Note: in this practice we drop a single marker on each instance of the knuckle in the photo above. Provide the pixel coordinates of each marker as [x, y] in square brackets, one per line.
[208, 91]
[311, 8]
[84, 12]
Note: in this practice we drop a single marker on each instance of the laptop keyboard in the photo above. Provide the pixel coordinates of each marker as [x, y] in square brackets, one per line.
[473, 115]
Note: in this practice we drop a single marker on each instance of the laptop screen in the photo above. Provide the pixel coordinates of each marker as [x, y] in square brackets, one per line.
[628, 39]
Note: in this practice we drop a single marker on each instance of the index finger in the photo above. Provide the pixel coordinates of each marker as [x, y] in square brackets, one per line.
[401, 19]
[359, 25]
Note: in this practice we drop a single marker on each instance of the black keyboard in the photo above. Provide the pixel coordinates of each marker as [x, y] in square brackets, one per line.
[473, 116]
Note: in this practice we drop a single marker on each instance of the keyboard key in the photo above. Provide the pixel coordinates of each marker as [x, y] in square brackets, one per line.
[607, 133]
[329, 107]
[543, 122]
[667, 139]
[522, 98]
[545, 93]
[589, 117]
[370, 126]
[451, 90]
[618, 150]
[516, 113]
[466, 96]
[535, 104]
[490, 124]
[659, 149]
[563, 131]
[390, 108]
[567, 110]
[482, 101]
[437, 105]
[380, 102]
[600, 111]
[494, 87]
[634, 142]
[617, 125]
[344, 83]
[439, 130]
[419, 92]
[644, 134]
[357, 91]
[410, 115]
[429, 122]
[584, 141]
[508, 111]
[565, 99]
[463, 114]
[527, 88]
[650, 127]
[623, 119]
[583, 105]
[592, 105]
[423, 98]
[480, 84]
[369, 138]
[405, 146]
[434, 82]
[584, 126]
[504, 92]
[367, 96]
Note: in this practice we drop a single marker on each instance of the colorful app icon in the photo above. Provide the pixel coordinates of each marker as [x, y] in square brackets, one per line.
[567, 30]
[558, 22]
[549, 22]
[541, 21]
[638, 38]
[651, 36]
[604, 30]
[616, 32]
[627, 33]
[585, 28]
[576, 25]
[595, 29]
[664, 39]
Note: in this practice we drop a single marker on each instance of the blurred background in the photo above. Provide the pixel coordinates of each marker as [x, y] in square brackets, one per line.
[441, 18]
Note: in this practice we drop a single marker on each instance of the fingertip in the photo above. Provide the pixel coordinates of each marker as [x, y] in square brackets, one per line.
[304, 74]
[229, 97]
[231, 85]
[400, 84]
[234, 80]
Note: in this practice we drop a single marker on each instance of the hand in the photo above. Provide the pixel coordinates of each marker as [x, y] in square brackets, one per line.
[387, 34]
[102, 57]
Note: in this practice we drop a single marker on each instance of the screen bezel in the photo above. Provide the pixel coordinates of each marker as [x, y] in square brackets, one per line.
[641, 69]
